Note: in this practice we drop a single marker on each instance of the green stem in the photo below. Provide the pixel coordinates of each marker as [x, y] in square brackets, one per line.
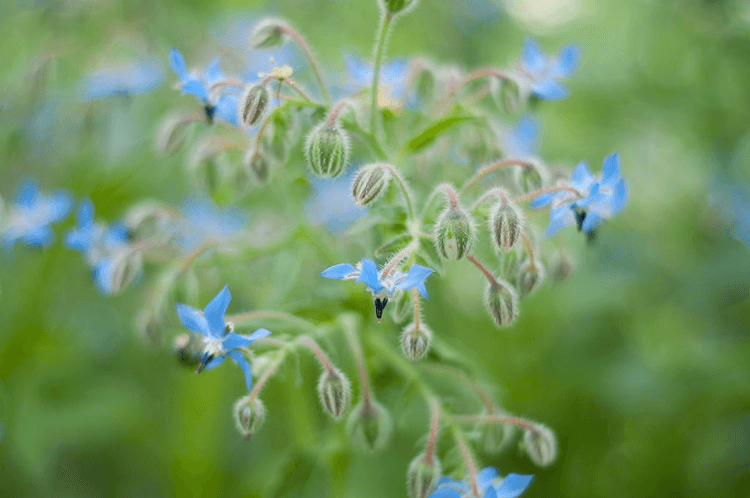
[297, 37]
[379, 46]
[251, 316]
[404, 190]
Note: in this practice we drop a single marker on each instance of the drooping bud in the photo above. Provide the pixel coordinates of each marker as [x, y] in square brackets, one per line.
[416, 341]
[268, 33]
[507, 94]
[502, 303]
[506, 223]
[541, 445]
[529, 277]
[369, 426]
[335, 392]
[561, 267]
[397, 6]
[254, 104]
[249, 416]
[531, 178]
[327, 150]
[454, 233]
[171, 133]
[257, 166]
[422, 477]
[114, 277]
[370, 183]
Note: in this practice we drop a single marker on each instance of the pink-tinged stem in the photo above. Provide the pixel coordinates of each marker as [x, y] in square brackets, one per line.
[299, 40]
[468, 460]
[390, 266]
[264, 378]
[548, 190]
[503, 163]
[317, 351]
[529, 248]
[483, 269]
[334, 114]
[361, 368]
[434, 425]
[496, 419]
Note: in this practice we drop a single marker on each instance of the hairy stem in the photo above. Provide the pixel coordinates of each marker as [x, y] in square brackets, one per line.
[548, 190]
[468, 460]
[417, 313]
[379, 47]
[264, 378]
[497, 419]
[404, 189]
[364, 379]
[529, 249]
[251, 316]
[297, 37]
[322, 358]
[390, 266]
[434, 426]
[492, 168]
[482, 268]
[335, 111]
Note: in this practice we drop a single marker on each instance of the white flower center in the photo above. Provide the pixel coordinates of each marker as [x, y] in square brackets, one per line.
[214, 346]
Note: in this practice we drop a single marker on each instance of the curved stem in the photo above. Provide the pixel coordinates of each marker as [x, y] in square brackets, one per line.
[434, 426]
[529, 248]
[322, 358]
[361, 367]
[297, 37]
[417, 314]
[390, 266]
[450, 193]
[478, 389]
[491, 168]
[335, 111]
[404, 189]
[482, 268]
[379, 47]
[468, 460]
[250, 316]
[497, 419]
[501, 193]
[266, 375]
[548, 190]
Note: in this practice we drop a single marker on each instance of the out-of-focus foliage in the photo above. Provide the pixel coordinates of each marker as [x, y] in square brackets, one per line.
[640, 360]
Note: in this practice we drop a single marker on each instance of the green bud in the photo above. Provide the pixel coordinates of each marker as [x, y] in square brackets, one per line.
[249, 416]
[397, 6]
[335, 392]
[502, 303]
[532, 178]
[369, 426]
[425, 83]
[171, 133]
[128, 266]
[370, 183]
[506, 223]
[507, 94]
[561, 267]
[257, 167]
[454, 233]
[268, 33]
[529, 277]
[415, 341]
[541, 445]
[254, 104]
[327, 150]
[422, 477]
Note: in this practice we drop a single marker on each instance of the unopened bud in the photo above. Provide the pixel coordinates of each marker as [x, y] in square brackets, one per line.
[335, 392]
[529, 277]
[531, 178]
[507, 94]
[415, 341]
[369, 426]
[370, 183]
[254, 104]
[397, 6]
[454, 233]
[502, 303]
[327, 150]
[506, 223]
[541, 445]
[257, 166]
[561, 267]
[249, 415]
[115, 274]
[171, 133]
[268, 33]
[422, 477]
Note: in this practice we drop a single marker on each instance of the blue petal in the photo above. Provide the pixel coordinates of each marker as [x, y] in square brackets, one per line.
[532, 56]
[593, 193]
[59, 206]
[226, 108]
[41, 236]
[81, 239]
[27, 193]
[513, 485]
[177, 63]
[369, 275]
[445, 493]
[486, 476]
[610, 170]
[338, 272]
[195, 87]
[522, 140]
[581, 177]
[192, 318]
[359, 71]
[549, 90]
[590, 221]
[213, 72]
[259, 334]
[490, 493]
[567, 60]
[236, 341]
[215, 311]
[215, 362]
[559, 219]
[240, 359]
[85, 214]
[415, 278]
[543, 200]
[104, 275]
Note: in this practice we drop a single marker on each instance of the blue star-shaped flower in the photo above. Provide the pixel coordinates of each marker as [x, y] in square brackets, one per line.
[225, 107]
[31, 215]
[601, 198]
[521, 142]
[381, 286]
[219, 339]
[131, 79]
[490, 486]
[542, 74]
[393, 79]
[205, 223]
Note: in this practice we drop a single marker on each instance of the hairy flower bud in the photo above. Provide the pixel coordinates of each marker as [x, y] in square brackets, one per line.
[125, 268]
[561, 267]
[254, 104]
[171, 133]
[507, 94]
[502, 303]
[268, 33]
[370, 183]
[369, 426]
[422, 477]
[454, 233]
[415, 341]
[506, 223]
[541, 445]
[327, 150]
[531, 178]
[529, 277]
[397, 6]
[257, 166]
[249, 416]
[335, 392]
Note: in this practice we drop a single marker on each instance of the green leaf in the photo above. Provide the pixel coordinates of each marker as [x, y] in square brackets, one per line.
[428, 135]
[394, 245]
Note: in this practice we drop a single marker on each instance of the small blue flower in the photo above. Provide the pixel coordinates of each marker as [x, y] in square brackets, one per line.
[600, 198]
[543, 74]
[131, 79]
[741, 208]
[218, 336]
[204, 223]
[393, 79]
[332, 203]
[489, 484]
[381, 286]
[521, 142]
[29, 218]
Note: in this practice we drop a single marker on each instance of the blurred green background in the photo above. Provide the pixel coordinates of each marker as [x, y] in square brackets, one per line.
[640, 361]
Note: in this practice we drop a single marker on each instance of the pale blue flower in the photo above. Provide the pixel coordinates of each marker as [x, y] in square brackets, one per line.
[392, 81]
[381, 286]
[131, 79]
[488, 483]
[522, 140]
[31, 215]
[332, 203]
[542, 74]
[204, 223]
[599, 199]
[218, 336]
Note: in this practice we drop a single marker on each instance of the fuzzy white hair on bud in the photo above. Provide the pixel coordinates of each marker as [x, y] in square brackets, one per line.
[370, 183]
[540, 444]
[416, 341]
[506, 223]
[335, 392]
[249, 415]
[269, 33]
[501, 301]
[327, 149]
[422, 477]
[455, 233]
[369, 426]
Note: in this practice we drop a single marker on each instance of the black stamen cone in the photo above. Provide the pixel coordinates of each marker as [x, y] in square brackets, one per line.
[580, 217]
[591, 236]
[210, 110]
[205, 359]
[379, 307]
